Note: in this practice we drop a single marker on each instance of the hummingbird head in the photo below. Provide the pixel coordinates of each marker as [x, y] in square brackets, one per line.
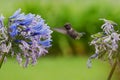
[67, 26]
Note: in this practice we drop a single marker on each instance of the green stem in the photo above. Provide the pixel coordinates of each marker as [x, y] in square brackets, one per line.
[112, 70]
[2, 60]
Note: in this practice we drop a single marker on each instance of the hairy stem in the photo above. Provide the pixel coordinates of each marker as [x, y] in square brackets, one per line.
[112, 70]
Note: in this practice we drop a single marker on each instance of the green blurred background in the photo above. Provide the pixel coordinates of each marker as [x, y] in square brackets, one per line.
[67, 58]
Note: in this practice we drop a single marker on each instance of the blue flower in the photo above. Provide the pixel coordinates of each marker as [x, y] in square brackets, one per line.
[31, 35]
[106, 43]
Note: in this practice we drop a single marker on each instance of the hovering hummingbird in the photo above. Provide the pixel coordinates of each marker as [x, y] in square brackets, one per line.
[68, 30]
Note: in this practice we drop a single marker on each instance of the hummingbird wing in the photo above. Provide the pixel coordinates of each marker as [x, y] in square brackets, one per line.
[60, 30]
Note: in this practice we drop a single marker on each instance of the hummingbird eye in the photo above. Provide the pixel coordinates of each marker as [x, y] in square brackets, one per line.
[67, 26]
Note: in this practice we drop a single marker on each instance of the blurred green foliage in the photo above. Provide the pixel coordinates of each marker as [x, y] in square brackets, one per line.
[56, 69]
[82, 14]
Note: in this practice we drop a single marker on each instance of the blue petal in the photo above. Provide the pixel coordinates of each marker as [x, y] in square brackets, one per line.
[14, 33]
[29, 43]
[45, 43]
[13, 29]
[20, 17]
[35, 33]
[1, 21]
[26, 30]
[15, 14]
[38, 27]
[44, 31]
[28, 19]
[94, 56]
[17, 41]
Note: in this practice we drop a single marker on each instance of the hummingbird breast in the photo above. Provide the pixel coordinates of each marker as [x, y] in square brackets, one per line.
[72, 34]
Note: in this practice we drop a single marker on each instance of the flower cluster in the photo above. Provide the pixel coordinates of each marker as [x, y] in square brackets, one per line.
[27, 37]
[5, 45]
[106, 43]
